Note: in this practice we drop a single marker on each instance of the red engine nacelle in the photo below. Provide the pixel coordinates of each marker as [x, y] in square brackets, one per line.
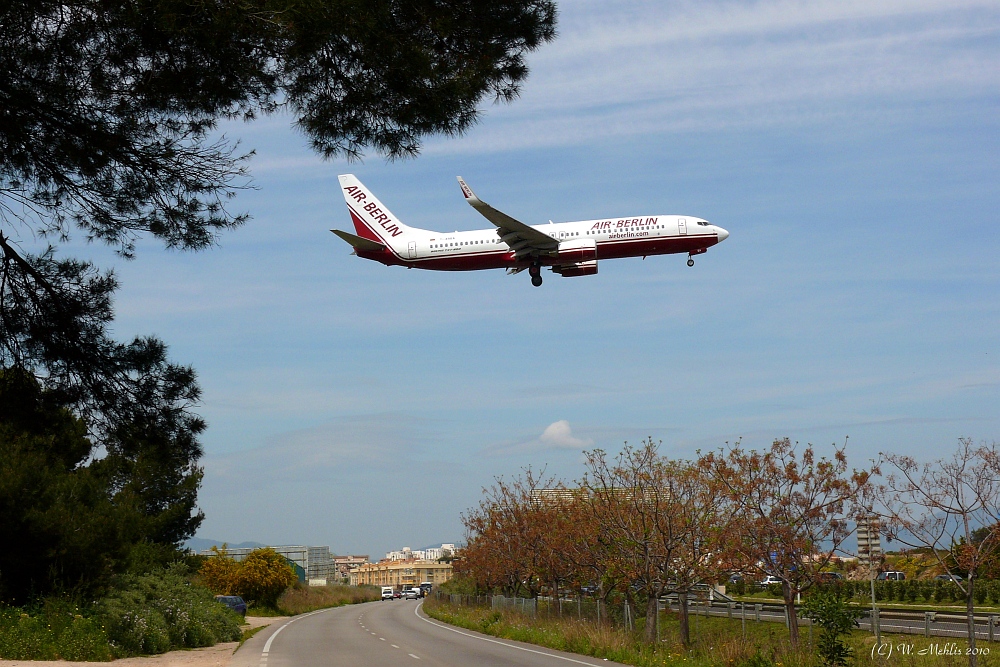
[577, 269]
[577, 251]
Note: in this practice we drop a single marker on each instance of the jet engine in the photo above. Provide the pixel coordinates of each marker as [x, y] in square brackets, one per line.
[577, 269]
[577, 250]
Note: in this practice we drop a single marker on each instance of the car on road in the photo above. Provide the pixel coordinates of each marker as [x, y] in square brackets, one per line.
[891, 575]
[234, 602]
[412, 593]
[770, 579]
[829, 577]
[387, 593]
[397, 594]
[948, 577]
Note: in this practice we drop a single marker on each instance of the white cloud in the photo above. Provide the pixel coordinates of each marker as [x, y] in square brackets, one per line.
[640, 68]
[558, 435]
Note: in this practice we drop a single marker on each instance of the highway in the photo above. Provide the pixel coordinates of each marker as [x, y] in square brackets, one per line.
[389, 633]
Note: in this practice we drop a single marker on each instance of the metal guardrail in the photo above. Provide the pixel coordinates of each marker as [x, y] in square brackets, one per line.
[918, 622]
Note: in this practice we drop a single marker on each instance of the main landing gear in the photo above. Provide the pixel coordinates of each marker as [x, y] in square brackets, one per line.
[535, 272]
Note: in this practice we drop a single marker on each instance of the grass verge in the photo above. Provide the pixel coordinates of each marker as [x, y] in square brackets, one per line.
[716, 642]
[301, 599]
[247, 634]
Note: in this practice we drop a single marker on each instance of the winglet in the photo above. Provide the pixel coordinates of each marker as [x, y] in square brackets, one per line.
[470, 196]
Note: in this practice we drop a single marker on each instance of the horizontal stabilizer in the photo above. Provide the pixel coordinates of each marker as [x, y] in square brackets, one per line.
[358, 242]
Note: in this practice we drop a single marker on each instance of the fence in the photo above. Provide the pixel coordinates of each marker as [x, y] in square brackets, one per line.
[580, 607]
[916, 622]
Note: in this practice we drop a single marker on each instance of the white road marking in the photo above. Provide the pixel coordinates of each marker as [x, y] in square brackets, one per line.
[415, 657]
[267, 645]
[381, 639]
[393, 645]
[494, 641]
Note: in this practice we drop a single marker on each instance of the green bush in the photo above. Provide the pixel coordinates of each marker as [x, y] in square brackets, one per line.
[837, 617]
[24, 637]
[133, 627]
[84, 640]
[155, 612]
[142, 615]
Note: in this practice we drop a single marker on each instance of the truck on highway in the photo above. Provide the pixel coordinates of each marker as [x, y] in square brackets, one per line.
[386, 593]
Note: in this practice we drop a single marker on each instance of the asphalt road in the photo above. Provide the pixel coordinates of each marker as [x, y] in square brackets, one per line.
[389, 633]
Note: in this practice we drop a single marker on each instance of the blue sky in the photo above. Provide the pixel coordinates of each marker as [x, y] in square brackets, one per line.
[850, 148]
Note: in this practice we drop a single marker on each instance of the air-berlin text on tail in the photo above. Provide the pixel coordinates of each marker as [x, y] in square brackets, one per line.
[624, 222]
[377, 216]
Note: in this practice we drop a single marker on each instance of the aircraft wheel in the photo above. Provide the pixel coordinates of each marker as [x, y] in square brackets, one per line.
[536, 280]
[690, 261]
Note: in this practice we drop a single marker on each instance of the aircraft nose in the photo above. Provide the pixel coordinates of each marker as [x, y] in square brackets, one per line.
[723, 234]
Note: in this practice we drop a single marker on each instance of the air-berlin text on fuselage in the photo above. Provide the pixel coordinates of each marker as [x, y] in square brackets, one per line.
[377, 216]
[624, 223]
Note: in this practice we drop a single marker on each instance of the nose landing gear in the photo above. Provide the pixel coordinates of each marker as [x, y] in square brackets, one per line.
[690, 261]
[536, 275]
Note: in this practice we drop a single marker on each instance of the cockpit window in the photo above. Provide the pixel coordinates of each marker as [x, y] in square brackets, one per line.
[703, 223]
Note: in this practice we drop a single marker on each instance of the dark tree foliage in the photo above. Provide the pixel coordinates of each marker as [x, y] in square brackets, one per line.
[107, 113]
[106, 109]
[69, 520]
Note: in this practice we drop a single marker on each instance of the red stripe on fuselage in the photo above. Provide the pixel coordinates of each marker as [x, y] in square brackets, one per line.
[475, 261]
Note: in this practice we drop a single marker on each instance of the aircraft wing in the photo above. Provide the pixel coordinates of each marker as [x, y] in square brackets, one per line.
[358, 242]
[521, 238]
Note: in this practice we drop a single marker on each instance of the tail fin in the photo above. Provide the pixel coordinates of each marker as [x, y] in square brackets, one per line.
[372, 220]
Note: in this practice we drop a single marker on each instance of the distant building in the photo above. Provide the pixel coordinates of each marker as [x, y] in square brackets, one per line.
[439, 552]
[869, 542]
[344, 564]
[315, 562]
[406, 553]
[400, 574]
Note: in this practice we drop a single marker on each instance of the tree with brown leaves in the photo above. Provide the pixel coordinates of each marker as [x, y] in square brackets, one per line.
[632, 504]
[940, 506]
[789, 511]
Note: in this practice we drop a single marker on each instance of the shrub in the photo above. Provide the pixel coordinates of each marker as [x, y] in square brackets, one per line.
[833, 613]
[159, 611]
[84, 640]
[142, 614]
[24, 637]
[220, 573]
[260, 578]
[263, 576]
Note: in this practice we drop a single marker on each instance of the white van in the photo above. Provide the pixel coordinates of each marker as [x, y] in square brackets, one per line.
[387, 592]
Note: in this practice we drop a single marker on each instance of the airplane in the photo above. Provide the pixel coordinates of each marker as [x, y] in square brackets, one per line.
[570, 249]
